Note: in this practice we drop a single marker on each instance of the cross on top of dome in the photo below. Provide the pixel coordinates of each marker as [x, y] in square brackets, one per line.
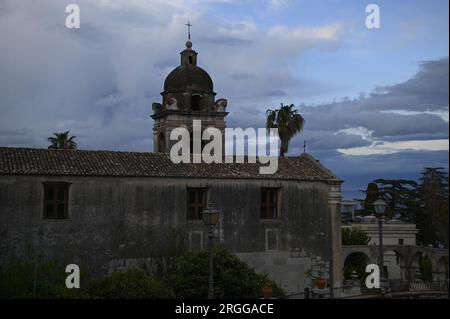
[189, 42]
[189, 25]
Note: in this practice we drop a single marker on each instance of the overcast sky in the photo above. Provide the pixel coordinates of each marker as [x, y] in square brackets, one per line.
[375, 101]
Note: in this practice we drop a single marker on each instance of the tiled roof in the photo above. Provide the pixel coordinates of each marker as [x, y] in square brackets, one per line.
[32, 161]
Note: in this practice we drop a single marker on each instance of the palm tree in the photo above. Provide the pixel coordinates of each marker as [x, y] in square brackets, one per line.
[62, 141]
[288, 122]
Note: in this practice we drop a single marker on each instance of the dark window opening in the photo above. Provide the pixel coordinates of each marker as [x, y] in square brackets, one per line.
[56, 200]
[196, 202]
[190, 59]
[400, 241]
[161, 143]
[269, 203]
[195, 102]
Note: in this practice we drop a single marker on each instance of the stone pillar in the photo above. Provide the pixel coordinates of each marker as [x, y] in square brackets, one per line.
[336, 262]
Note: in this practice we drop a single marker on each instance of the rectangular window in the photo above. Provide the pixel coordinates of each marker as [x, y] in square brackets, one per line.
[196, 202]
[196, 239]
[271, 239]
[269, 203]
[56, 200]
[400, 241]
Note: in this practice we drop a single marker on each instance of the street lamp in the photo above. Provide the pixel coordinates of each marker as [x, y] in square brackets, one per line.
[380, 207]
[210, 217]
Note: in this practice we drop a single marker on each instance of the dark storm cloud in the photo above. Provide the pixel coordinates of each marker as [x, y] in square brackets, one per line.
[426, 91]
[324, 122]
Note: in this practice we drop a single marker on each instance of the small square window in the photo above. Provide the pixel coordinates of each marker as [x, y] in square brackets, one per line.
[401, 241]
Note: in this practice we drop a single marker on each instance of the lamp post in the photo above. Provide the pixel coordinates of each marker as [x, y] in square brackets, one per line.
[210, 217]
[380, 207]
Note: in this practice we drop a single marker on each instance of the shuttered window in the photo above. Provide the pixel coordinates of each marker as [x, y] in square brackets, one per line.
[269, 203]
[56, 200]
[196, 202]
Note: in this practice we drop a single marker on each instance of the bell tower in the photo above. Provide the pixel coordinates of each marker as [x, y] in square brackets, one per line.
[188, 95]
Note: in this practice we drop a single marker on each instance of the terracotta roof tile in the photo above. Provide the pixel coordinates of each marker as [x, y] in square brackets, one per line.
[32, 161]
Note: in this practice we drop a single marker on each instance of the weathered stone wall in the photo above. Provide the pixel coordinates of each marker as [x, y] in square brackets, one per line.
[116, 218]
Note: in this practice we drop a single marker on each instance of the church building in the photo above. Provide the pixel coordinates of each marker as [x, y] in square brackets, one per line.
[106, 210]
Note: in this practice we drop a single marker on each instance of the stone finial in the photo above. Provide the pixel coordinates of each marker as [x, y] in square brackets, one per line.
[221, 105]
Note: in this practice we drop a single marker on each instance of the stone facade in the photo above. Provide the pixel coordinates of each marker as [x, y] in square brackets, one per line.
[111, 219]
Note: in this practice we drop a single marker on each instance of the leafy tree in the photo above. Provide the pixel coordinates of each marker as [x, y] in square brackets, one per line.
[399, 195]
[41, 280]
[372, 195]
[163, 257]
[354, 236]
[187, 279]
[288, 122]
[129, 284]
[424, 203]
[62, 141]
[426, 269]
[232, 277]
[432, 219]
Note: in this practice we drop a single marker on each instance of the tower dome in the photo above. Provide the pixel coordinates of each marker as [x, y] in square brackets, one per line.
[188, 75]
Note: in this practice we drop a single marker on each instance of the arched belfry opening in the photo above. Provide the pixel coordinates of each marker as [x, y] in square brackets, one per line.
[196, 102]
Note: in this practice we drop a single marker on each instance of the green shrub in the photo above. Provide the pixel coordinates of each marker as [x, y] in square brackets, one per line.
[354, 236]
[188, 278]
[43, 280]
[232, 277]
[129, 284]
[426, 269]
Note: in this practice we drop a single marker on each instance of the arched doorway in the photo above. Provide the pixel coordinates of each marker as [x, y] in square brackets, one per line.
[355, 266]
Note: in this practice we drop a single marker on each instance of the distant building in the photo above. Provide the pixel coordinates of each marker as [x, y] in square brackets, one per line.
[395, 233]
